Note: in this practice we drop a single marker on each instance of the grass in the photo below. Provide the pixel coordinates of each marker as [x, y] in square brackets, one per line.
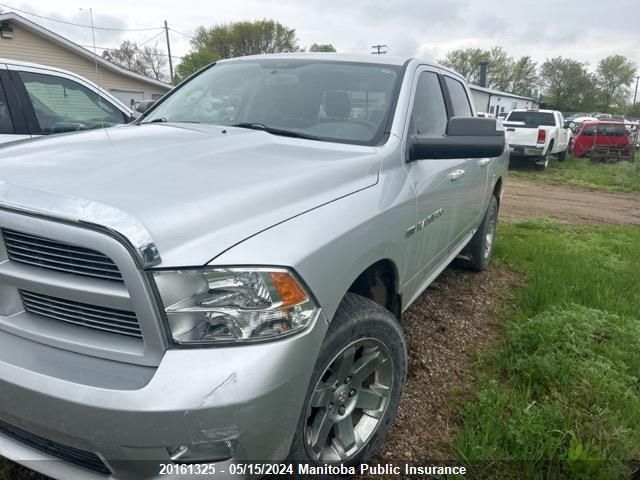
[560, 398]
[580, 172]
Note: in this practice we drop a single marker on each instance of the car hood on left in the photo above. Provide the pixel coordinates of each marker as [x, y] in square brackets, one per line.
[197, 189]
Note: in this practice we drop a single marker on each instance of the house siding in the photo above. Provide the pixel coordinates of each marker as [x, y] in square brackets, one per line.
[29, 47]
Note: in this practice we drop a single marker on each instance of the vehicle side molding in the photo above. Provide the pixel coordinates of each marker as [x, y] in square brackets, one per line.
[466, 137]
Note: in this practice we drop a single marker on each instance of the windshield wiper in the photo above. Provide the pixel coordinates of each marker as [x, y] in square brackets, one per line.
[165, 120]
[274, 131]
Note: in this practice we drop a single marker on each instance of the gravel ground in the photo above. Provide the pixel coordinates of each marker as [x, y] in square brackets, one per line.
[446, 328]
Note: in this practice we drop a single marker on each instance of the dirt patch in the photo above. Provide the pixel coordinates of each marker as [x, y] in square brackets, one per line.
[446, 328]
[523, 199]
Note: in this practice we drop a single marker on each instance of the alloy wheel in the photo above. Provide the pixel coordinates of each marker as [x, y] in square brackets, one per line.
[349, 401]
[490, 234]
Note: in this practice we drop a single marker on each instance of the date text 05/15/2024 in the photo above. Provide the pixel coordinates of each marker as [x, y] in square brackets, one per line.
[251, 469]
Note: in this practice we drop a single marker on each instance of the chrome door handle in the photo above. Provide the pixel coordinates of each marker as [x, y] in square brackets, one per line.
[484, 162]
[456, 174]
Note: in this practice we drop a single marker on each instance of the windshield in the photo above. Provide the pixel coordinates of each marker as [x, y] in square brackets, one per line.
[333, 101]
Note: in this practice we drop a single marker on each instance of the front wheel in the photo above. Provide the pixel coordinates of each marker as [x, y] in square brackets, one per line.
[355, 388]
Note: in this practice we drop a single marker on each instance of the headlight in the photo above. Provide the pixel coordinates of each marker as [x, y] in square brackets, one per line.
[231, 305]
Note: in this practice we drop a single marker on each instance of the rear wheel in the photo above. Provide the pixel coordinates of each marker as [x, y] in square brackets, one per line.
[480, 249]
[355, 388]
[562, 156]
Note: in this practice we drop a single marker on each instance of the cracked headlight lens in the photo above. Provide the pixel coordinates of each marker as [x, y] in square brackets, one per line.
[227, 305]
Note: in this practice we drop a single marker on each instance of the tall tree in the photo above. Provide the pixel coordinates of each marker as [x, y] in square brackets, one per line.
[613, 77]
[524, 77]
[127, 55]
[194, 61]
[246, 38]
[236, 40]
[322, 47]
[568, 85]
[466, 62]
[153, 61]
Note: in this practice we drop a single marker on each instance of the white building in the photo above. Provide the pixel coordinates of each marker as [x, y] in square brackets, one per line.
[493, 101]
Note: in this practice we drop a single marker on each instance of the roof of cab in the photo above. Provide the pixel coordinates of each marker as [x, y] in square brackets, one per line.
[395, 60]
[336, 57]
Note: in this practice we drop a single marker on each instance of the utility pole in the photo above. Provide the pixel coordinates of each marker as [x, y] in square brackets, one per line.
[635, 93]
[379, 49]
[166, 31]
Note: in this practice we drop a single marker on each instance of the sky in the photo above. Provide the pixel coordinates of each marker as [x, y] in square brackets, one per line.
[586, 30]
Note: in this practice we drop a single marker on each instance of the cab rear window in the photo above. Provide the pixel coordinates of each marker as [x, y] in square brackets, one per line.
[533, 119]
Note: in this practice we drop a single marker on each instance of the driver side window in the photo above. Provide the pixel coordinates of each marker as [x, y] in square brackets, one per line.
[62, 105]
[429, 114]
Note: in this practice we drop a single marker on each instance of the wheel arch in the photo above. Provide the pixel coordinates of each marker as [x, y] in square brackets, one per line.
[379, 282]
[498, 189]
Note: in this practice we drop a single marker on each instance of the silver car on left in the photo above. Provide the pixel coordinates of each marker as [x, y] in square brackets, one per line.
[40, 100]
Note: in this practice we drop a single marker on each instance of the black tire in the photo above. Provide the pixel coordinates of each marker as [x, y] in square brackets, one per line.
[562, 156]
[542, 161]
[479, 250]
[357, 320]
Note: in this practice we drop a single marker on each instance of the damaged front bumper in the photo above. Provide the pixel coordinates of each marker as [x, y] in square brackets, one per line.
[244, 398]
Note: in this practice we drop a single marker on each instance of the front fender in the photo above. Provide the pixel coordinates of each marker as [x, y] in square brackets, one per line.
[329, 247]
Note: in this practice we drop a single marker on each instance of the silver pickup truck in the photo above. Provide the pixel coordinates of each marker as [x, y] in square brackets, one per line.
[222, 282]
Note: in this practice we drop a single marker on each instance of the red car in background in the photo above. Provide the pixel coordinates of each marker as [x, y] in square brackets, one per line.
[599, 133]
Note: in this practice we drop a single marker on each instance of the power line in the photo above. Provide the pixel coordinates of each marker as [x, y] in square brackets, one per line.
[115, 48]
[152, 38]
[176, 31]
[379, 49]
[111, 29]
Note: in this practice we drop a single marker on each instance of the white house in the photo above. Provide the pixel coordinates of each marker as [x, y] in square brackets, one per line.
[493, 101]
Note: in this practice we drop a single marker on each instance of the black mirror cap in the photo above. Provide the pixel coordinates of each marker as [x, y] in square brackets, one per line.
[466, 137]
[474, 127]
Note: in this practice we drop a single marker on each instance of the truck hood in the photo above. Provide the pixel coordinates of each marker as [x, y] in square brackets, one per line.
[197, 189]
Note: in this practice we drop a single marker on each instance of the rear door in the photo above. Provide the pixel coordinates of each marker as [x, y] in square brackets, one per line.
[12, 125]
[472, 184]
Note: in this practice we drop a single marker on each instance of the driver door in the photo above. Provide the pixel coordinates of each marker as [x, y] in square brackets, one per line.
[438, 184]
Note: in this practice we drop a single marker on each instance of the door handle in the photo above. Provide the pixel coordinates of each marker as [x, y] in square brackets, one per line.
[456, 174]
[484, 162]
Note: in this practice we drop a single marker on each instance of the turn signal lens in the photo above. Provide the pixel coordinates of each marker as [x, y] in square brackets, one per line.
[290, 292]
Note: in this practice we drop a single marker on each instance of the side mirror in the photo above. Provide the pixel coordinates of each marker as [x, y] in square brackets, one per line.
[466, 137]
[144, 106]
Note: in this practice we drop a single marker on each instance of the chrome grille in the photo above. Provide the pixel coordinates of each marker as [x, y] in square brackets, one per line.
[59, 256]
[91, 316]
[79, 457]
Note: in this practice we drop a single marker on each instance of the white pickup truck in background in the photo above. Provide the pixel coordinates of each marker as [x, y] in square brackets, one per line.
[537, 134]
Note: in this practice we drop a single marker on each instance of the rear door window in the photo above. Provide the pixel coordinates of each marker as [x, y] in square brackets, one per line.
[459, 98]
[62, 105]
[6, 125]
